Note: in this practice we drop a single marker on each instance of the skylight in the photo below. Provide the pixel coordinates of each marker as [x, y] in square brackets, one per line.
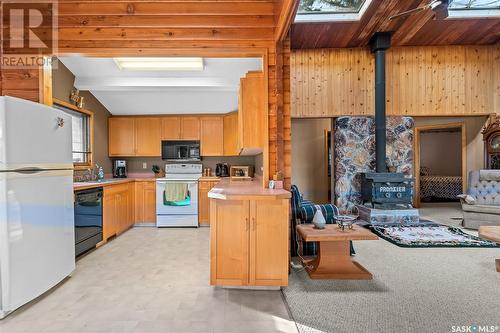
[473, 8]
[474, 4]
[331, 10]
[159, 64]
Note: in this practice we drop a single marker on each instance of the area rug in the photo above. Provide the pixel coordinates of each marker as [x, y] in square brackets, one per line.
[428, 235]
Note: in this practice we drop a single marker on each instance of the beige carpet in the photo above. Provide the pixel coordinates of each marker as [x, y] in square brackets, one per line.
[413, 290]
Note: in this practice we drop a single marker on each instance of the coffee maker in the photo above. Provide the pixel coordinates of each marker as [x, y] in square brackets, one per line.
[120, 169]
[222, 170]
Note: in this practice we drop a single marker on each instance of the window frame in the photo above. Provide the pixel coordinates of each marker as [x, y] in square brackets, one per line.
[90, 114]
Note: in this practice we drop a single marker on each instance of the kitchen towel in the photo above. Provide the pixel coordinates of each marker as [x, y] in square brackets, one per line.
[175, 191]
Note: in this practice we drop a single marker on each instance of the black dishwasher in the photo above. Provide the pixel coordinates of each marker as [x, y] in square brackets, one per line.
[88, 219]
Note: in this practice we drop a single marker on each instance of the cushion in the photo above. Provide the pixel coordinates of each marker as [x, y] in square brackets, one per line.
[328, 211]
[485, 209]
[469, 199]
[489, 175]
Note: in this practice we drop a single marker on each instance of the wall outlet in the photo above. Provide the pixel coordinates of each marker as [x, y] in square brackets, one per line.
[144, 165]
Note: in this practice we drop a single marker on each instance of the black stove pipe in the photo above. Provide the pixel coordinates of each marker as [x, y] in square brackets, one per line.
[379, 43]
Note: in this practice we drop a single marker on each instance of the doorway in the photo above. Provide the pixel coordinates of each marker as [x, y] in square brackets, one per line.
[440, 162]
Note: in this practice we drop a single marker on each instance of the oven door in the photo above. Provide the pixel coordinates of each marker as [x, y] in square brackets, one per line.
[166, 208]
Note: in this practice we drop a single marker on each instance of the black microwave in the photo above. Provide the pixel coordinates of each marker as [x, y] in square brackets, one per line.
[180, 150]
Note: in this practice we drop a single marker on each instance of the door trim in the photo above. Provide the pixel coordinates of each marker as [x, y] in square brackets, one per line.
[416, 149]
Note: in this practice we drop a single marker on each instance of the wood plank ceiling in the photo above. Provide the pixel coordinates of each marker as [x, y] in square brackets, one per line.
[419, 29]
[167, 23]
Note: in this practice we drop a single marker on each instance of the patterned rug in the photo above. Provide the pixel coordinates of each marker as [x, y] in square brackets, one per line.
[428, 234]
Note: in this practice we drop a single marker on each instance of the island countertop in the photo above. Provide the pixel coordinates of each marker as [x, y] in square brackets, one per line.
[228, 189]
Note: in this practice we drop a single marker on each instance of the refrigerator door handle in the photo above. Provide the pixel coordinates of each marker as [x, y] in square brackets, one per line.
[28, 171]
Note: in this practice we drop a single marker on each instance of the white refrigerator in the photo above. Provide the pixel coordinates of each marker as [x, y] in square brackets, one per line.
[37, 246]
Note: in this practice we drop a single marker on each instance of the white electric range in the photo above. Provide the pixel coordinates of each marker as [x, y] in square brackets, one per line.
[173, 215]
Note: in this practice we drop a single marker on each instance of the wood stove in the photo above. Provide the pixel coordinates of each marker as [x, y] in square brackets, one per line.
[386, 190]
[381, 188]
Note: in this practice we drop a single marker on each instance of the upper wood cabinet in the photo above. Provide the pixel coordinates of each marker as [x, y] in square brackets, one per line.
[252, 121]
[171, 128]
[190, 128]
[147, 136]
[231, 134]
[121, 139]
[212, 136]
[134, 136]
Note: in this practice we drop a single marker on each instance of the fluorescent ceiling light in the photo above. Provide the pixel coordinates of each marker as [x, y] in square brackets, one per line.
[159, 64]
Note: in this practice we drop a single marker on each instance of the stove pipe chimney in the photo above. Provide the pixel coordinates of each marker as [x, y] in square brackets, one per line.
[379, 43]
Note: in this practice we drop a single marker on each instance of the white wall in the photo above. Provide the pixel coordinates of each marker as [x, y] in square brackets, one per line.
[473, 127]
[441, 152]
[309, 168]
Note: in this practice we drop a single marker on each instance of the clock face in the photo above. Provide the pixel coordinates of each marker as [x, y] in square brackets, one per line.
[495, 143]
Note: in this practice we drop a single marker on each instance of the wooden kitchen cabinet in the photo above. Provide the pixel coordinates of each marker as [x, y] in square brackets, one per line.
[190, 128]
[145, 202]
[148, 136]
[121, 139]
[134, 136]
[252, 112]
[249, 242]
[229, 242]
[268, 242]
[212, 136]
[171, 128]
[118, 209]
[230, 130]
[204, 186]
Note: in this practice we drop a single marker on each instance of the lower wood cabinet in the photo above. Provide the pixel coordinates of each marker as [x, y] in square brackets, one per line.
[145, 202]
[204, 186]
[118, 209]
[249, 242]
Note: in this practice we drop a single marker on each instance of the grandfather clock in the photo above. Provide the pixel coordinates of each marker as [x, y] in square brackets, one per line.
[491, 137]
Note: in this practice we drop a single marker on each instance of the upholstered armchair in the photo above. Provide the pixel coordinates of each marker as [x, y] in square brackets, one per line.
[303, 212]
[481, 204]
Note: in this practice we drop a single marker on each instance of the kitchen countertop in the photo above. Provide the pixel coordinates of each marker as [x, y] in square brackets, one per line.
[108, 182]
[245, 189]
[209, 178]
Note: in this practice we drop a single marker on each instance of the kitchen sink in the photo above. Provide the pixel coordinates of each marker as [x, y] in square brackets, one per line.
[92, 182]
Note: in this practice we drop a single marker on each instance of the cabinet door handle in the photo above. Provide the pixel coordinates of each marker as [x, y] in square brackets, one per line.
[247, 224]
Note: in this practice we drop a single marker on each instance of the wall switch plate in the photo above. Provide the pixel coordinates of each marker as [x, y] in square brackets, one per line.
[144, 165]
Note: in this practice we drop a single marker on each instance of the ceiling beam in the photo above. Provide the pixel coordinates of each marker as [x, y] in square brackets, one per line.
[285, 14]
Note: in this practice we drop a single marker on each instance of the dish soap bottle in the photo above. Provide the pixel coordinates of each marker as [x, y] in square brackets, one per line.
[100, 172]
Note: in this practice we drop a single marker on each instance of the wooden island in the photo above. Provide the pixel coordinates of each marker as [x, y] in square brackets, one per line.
[249, 234]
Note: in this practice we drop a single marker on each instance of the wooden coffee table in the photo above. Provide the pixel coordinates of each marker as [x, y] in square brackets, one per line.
[491, 233]
[333, 260]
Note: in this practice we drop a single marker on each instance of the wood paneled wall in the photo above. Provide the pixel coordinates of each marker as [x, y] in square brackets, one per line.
[421, 81]
[25, 83]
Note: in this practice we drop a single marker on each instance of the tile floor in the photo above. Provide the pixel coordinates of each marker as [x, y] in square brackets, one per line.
[150, 280]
